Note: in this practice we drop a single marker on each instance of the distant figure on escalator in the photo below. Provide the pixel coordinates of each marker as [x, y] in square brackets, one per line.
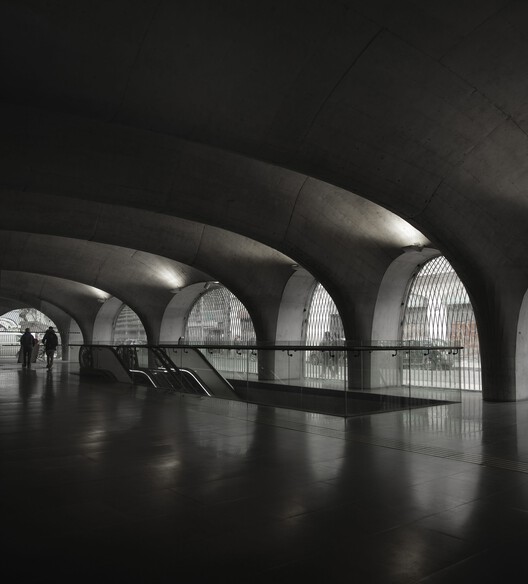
[51, 343]
[27, 342]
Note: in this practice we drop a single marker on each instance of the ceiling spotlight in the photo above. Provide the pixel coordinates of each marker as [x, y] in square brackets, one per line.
[295, 267]
[208, 285]
[101, 300]
[174, 290]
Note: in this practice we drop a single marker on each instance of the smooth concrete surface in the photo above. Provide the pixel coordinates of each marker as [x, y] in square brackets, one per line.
[115, 483]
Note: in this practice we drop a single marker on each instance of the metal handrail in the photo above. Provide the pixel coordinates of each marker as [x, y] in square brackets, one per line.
[286, 347]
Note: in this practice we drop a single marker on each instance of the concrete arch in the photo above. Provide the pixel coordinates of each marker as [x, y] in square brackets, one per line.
[76, 338]
[292, 320]
[104, 321]
[75, 299]
[521, 351]
[144, 280]
[391, 294]
[197, 292]
[293, 308]
[177, 312]
[104, 324]
[386, 324]
[64, 322]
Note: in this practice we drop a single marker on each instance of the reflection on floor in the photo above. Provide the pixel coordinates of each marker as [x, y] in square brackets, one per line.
[127, 484]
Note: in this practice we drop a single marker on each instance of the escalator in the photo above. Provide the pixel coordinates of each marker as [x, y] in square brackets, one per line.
[194, 362]
[153, 366]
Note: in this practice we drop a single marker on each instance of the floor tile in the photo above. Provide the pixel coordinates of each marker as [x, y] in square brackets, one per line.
[102, 481]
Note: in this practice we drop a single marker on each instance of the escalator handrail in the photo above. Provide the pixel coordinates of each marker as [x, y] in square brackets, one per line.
[171, 368]
[196, 377]
[113, 350]
[206, 362]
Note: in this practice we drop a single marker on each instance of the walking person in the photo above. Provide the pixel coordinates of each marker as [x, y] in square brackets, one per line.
[27, 342]
[51, 343]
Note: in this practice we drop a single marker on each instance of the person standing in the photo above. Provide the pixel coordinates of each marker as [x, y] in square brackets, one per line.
[51, 343]
[326, 356]
[27, 341]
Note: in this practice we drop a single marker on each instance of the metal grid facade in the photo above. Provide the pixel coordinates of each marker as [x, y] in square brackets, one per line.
[323, 327]
[13, 323]
[218, 317]
[438, 310]
[128, 328]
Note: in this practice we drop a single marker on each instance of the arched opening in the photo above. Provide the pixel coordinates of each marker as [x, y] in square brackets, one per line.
[218, 317]
[14, 323]
[323, 327]
[177, 311]
[128, 328]
[438, 311]
[521, 352]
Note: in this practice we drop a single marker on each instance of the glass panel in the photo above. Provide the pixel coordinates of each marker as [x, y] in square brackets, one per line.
[433, 374]
[232, 363]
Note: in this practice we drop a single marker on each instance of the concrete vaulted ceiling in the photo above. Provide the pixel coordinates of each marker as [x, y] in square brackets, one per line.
[237, 138]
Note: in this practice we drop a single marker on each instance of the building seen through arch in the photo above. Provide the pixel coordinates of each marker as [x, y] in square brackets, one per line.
[218, 317]
[128, 328]
[15, 322]
[323, 327]
[438, 311]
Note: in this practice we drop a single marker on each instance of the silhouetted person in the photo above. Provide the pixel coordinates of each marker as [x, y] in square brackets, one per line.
[51, 343]
[324, 355]
[328, 357]
[27, 342]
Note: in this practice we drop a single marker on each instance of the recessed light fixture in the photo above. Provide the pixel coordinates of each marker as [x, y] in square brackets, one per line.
[208, 285]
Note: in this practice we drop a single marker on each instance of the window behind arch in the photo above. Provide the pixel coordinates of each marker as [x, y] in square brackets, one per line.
[218, 317]
[128, 328]
[13, 323]
[323, 322]
[438, 310]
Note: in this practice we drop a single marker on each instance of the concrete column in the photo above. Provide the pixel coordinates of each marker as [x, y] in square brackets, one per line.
[266, 366]
[359, 370]
[521, 351]
[499, 308]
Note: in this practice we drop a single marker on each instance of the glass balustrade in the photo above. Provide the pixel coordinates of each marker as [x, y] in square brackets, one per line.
[336, 380]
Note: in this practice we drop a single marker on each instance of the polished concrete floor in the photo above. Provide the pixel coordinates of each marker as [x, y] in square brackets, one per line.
[115, 483]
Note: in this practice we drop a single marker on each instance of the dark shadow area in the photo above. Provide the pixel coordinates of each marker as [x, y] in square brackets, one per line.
[326, 401]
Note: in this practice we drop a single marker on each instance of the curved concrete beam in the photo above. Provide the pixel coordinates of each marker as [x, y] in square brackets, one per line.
[62, 320]
[78, 301]
[177, 311]
[103, 329]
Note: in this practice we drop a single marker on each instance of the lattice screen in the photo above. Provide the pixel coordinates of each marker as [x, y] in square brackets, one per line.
[128, 328]
[438, 309]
